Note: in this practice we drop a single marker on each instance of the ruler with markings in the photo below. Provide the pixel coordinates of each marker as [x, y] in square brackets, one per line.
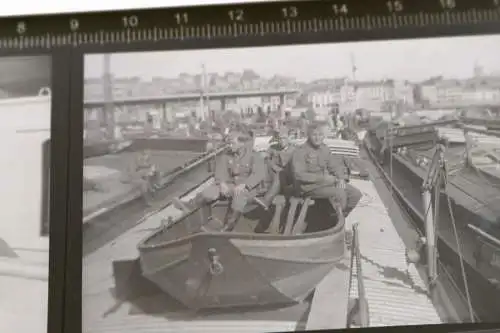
[242, 20]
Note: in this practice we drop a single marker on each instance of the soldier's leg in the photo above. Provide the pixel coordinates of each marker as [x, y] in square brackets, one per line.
[204, 198]
[273, 191]
[238, 204]
[209, 194]
[353, 196]
[334, 194]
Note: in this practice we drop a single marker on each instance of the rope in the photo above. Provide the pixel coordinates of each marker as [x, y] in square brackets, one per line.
[351, 271]
[436, 217]
[459, 250]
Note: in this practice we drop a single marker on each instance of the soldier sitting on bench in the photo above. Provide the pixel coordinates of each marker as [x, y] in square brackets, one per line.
[319, 174]
[278, 161]
[239, 177]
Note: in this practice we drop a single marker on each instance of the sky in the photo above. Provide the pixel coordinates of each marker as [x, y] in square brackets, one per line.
[416, 59]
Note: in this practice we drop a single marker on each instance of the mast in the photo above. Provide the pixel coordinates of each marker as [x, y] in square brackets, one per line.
[108, 110]
[202, 94]
[354, 69]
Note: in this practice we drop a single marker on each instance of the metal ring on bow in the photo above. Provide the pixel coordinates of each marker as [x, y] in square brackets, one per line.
[216, 267]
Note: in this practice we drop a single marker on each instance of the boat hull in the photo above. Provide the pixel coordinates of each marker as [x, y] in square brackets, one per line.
[407, 181]
[106, 147]
[255, 269]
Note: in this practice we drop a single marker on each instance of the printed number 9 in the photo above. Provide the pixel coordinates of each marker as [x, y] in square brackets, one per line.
[74, 24]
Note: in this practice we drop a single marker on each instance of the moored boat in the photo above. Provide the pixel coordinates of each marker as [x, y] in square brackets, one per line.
[205, 268]
[274, 257]
[466, 209]
[139, 143]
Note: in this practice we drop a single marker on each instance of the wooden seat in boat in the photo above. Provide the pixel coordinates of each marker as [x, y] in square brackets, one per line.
[297, 226]
[206, 214]
[292, 226]
[287, 216]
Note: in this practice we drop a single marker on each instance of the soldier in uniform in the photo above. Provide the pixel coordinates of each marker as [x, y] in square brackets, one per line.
[146, 170]
[278, 160]
[318, 173]
[239, 176]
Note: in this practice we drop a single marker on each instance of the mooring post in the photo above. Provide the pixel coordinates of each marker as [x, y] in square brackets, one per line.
[430, 235]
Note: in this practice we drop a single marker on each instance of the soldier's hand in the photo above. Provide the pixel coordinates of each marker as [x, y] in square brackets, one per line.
[341, 184]
[224, 189]
[329, 179]
[239, 189]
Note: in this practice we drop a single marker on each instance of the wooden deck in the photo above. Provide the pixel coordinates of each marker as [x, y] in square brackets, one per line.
[395, 291]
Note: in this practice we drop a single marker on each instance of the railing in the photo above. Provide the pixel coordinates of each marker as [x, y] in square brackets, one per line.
[363, 311]
[488, 122]
[192, 164]
[417, 129]
[480, 131]
[485, 235]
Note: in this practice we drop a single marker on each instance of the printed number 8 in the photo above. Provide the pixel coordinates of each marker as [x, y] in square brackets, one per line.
[21, 28]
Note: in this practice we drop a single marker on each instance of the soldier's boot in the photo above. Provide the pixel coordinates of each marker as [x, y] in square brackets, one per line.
[147, 196]
[231, 221]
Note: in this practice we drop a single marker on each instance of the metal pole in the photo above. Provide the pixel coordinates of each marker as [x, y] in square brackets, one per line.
[430, 235]
[202, 96]
[108, 110]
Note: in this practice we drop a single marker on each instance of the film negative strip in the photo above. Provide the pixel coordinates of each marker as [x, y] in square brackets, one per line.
[241, 20]
[144, 102]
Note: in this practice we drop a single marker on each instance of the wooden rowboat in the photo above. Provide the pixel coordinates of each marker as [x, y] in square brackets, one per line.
[275, 257]
[204, 268]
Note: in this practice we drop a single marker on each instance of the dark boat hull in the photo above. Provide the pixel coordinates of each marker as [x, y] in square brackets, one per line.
[256, 268]
[106, 147]
[476, 251]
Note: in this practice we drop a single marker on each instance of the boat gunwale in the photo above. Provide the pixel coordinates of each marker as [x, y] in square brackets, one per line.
[395, 129]
[421, 172]
[176, 262]
[420, 217]
[336, 230]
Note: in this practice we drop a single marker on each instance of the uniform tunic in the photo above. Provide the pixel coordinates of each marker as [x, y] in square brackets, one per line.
[144, 165]
[245, 167]
[279, 158]
[310, 165]
[278, 171]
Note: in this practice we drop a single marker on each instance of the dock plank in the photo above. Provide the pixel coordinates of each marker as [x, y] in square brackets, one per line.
[395, 291]
[329, 306]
